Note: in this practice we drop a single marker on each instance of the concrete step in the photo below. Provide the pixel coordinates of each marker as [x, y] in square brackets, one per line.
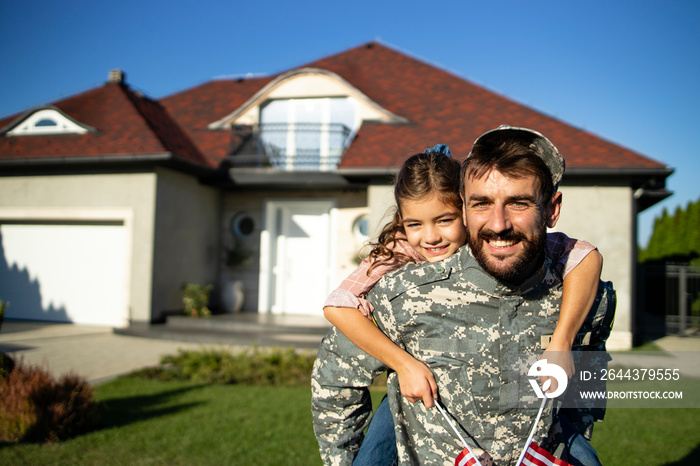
[253, 322]
[241, 329]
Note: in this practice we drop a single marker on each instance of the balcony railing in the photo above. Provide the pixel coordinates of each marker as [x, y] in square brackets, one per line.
[289, 147]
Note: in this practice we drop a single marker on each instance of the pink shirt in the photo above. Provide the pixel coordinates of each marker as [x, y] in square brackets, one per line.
[566, 252]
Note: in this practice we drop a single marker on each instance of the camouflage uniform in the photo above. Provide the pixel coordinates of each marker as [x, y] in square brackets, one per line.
[473, 333]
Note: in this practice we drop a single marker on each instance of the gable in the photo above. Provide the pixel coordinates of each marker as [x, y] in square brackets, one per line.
[44, 121]
[306, 83]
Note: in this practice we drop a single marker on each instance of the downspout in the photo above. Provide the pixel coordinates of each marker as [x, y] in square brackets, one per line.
[635, 311]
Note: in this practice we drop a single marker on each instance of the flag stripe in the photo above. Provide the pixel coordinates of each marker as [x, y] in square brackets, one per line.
[537, 456]
[465, 458]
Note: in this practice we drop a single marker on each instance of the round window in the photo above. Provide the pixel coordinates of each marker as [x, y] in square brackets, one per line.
[360, 228]
[242, 225]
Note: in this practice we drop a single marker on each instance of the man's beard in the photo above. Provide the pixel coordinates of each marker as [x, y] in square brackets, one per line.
[511, 269]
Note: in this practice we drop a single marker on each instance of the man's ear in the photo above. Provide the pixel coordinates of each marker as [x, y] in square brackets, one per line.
[554, 209]
[464, 210]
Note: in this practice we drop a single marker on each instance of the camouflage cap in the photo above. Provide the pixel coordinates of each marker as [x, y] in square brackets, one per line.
[541, 146]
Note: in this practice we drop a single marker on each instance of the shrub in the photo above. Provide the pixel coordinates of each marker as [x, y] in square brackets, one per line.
[6, 362]
[273, 366]
[3, 307]
[34, 407]
[196, 299]
[695, 307]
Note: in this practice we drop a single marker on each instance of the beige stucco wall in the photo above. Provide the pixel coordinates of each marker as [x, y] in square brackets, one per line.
[65, 194]
[186, 238]
[380, 199]
[351, 206]
[242, 203]
[604, 216]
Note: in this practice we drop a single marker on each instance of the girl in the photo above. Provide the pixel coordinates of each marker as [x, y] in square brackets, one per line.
[428, 226]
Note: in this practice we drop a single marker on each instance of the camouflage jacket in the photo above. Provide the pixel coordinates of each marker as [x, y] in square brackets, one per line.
[476, 335]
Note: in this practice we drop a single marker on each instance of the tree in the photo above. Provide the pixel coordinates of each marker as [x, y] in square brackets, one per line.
[675, 238]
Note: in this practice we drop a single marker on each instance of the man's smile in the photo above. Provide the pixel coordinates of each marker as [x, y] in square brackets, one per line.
[501, 243]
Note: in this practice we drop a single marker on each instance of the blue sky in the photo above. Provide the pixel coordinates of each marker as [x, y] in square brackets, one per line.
[627, 70]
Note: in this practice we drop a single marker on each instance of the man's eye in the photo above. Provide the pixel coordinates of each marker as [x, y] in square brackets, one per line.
[519, 205]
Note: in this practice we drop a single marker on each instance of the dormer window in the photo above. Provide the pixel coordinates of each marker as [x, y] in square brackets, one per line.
[309, 133]
[301, 121]
[46, 121]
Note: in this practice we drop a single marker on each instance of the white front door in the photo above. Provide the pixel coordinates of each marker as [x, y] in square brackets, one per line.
[299, 250]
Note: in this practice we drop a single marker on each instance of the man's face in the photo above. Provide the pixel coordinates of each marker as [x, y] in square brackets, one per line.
[507, 224]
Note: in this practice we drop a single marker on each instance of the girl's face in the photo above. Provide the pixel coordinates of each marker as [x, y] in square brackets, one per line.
[433, 228]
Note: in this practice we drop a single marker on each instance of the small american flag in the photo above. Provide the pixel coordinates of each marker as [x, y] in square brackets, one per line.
[537, 456]
[465, 458]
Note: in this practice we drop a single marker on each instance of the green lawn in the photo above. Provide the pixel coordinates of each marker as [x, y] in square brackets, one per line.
[154, 423]
[665, 436]
[649, 437]
[175, 423]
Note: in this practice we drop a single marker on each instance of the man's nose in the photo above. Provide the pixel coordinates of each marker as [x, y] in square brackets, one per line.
[500, 220]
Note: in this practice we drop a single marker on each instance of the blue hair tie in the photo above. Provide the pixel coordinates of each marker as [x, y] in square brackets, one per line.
[439, 149]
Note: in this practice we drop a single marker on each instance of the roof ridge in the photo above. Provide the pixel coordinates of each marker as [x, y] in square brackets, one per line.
[139, 100]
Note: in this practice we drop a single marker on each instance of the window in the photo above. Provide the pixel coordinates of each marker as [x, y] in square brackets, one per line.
[242, 225]
[360, 228]
[47, 121]
[307, 134]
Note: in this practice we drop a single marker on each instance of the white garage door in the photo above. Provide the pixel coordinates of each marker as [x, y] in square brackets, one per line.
[65, 271]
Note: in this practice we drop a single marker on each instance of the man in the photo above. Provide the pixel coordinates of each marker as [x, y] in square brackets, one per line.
[473, 319]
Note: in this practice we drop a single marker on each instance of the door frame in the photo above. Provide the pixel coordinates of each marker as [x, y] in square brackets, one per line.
[268, 238]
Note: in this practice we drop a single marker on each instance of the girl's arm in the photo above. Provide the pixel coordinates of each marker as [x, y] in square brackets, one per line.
[580, 288]
[415, 379]
[582, 265]
[349, 312]
[355, 288]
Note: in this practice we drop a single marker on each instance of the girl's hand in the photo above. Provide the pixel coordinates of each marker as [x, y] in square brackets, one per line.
[558, 353]
[417, 382]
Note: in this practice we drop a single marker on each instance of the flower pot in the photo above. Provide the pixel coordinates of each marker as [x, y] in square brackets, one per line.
[232, 295]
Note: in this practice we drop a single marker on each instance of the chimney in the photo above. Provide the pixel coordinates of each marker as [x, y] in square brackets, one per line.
[116, 76]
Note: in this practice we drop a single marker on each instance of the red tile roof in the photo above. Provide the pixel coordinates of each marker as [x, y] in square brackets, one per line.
[126, 124]
[196, 108]
[444, 108]
[440, 106]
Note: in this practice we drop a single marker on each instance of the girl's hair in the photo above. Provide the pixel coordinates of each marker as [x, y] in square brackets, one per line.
[431, 173]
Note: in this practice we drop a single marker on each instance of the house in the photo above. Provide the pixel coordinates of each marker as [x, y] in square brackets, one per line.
[111, 201]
